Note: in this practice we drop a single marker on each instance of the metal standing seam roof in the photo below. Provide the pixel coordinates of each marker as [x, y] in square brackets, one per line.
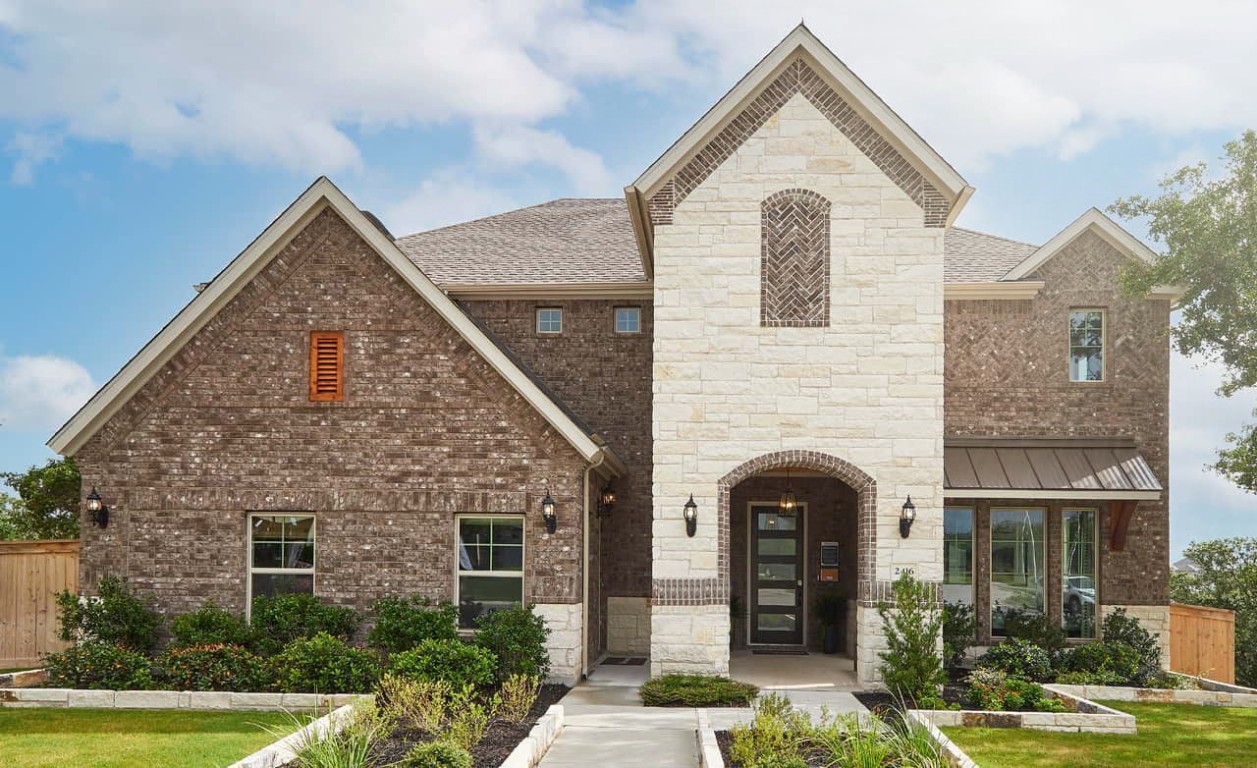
[1046, 464]
[591, 240]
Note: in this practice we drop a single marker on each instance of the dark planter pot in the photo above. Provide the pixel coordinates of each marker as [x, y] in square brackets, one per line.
[831, 641]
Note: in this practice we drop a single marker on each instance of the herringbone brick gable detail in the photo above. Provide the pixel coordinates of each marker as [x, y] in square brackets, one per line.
[799, 77]
[794, 261]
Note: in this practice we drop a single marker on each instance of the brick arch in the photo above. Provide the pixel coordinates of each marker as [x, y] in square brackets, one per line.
[794, 260]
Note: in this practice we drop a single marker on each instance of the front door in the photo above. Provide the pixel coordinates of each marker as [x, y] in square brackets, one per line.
[776, 558]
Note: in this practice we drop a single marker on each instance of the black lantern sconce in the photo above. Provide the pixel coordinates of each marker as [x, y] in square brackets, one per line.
[606, 500]
[547, 513]
[691, 517]
[97, 512]
[907, 516]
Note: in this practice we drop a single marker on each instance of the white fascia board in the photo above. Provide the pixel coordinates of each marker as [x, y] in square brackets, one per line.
[1071, 495]
[1094, 221]
[1010, 291]
[550, 291]
[228, 283]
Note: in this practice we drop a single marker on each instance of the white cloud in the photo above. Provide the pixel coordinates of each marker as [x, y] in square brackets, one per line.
[38, 393]
[449, 196]
[519, 146]
[31, 150]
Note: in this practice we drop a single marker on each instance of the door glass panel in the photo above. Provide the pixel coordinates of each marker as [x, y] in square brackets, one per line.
[782, 547]
[771, 521]
[777, 572]
[775, 622]
[776, 597]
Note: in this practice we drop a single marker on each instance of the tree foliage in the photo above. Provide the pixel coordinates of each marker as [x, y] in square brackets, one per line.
[1227, 579]
[912, 666]
[49, 507]
[1207, 222]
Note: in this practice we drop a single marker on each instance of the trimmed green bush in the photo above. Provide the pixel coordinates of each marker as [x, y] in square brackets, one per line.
[911, 665]
[437, 754]
[997, 691]
[1018, 658]
[1036, 629]
[1121, 628]
[401, 623]
[116, 615]
[960, 628]
[696, 691]
[1116, 663]
[279, 620]
[210, 625]
[517, 637]
[101, 666]
[449, 661]
[325, 664]
[213, 668]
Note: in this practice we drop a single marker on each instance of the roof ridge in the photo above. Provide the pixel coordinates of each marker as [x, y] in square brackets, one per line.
[997, 237]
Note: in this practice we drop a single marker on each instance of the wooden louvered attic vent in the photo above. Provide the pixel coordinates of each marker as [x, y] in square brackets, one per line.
[327, 366]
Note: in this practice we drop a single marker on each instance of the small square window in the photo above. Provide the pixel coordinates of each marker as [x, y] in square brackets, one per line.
[549, 320]
[628, 320]
[1086, 345]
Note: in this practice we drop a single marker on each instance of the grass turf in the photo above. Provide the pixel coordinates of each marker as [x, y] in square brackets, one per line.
[109, 738]
[1169, 735]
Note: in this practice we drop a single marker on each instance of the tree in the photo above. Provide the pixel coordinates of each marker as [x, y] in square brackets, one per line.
[49, 494]
[13, 519]
[1227, 579]
[1208, 224]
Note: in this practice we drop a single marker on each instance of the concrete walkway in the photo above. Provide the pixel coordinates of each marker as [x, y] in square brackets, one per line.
[606, 724]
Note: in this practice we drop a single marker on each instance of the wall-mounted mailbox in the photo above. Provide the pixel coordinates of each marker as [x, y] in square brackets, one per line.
[829, 554]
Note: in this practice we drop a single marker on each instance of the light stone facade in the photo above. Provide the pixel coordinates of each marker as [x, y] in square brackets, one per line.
[1154, 618]
[867, 389]
[628, 626]
[564, 620]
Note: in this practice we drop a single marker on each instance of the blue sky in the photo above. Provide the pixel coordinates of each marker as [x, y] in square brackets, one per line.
[143, 146]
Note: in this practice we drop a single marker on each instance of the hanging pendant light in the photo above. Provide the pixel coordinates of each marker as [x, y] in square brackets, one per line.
[787, 504]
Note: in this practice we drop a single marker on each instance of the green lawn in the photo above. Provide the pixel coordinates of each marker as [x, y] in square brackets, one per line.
[1169, 735]
[104, 738]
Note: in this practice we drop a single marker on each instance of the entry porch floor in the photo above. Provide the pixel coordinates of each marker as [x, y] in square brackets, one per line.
[784, 672]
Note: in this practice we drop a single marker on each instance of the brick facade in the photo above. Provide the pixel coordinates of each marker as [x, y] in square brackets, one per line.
[794, 261]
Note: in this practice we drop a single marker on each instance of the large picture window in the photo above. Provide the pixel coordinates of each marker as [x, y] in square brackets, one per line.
[281, 554]
[1086, 345]
[1017, 565]
[490, 566]
[1078, 603]
[958, 555]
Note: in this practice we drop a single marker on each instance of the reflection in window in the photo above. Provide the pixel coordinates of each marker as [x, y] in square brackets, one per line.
[281, 554]
[490, 566]
[958, 555]
[1016, 564]
[1078, 539]
[1086, 345]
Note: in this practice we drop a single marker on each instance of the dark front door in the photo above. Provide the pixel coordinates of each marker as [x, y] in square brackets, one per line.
[776, 559]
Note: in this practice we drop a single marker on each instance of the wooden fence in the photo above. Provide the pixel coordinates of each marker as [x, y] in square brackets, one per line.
[31, 574]
[1202, 642]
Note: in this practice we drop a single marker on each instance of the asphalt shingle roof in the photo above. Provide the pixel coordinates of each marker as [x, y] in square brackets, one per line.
[591, 240]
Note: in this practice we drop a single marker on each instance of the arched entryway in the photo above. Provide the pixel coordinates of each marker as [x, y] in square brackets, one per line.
[772, 564]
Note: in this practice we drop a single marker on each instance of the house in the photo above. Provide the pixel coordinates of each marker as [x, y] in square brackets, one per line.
[773, 370]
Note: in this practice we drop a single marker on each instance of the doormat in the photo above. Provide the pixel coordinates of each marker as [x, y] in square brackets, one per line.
[625, 661]
[779, 651]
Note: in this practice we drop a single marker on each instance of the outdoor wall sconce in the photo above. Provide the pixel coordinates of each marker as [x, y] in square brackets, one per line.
[606, 500]
[96, 509]
[788, 503]
[907, 516]
[547, 513]
[691, 517]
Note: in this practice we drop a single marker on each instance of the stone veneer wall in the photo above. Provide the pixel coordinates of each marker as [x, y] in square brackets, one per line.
[866, 391]
[427, 430]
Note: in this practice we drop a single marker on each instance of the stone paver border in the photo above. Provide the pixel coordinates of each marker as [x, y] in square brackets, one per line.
[955, 756]
[1090, 717]
[1211, 693]
[529, 752]
[25, 679]
[285, 750]
[206, 700]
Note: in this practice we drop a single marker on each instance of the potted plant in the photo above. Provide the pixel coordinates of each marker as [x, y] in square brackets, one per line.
[830, 610]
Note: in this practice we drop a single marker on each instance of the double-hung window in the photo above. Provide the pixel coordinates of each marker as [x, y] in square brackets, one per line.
[490, 565]
[281, 554]
[1086, 345]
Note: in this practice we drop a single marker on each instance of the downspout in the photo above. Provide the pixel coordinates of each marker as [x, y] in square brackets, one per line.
[584, 617]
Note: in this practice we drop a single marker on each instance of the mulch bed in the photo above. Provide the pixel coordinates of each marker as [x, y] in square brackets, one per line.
[500, 739]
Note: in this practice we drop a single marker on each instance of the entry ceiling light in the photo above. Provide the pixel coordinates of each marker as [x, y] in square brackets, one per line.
[787, 504]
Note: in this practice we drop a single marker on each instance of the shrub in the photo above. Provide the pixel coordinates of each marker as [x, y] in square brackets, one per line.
[325, 664]
[103, 666]
[401, 623]
[1117, 663]
[960, 627]
[117, 615]
[1120, 628]
[347, 747]
[213, 668]
[995, 690]
[422, 703]
[1087, 678]
[772, 738]
[436, 754]
[468, 718]
[696, 691]
[911, 666]
[449, 661]
[517, 696]
[279, 620]
[1018, 658]
[517, 637]
[1036, 629]
[210, 625]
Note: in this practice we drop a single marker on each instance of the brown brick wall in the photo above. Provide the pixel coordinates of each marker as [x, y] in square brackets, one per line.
[1006, 374]
[794, 260]
[427, 429]
[604, 377]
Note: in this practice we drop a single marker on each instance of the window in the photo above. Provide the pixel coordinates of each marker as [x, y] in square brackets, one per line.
[1016, 564]
[327, 366]
[549, 320]
[958, 555]
[628, 320]
[281, 554]
[490, 566]
[1078, 599]
[1086, 345]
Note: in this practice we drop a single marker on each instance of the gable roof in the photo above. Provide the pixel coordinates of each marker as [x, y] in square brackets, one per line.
[976, 257]
[322, 194]
[1092, 220]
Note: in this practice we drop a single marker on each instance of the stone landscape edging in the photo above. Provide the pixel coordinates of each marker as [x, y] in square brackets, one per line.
[285, 750]
[954, 755]
[529, 752]
[709, 755]
[1090, 717]
[1212, 693]
[24, 679]
[196, 700]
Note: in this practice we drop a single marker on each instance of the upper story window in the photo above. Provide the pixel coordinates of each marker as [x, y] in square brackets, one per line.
[628, 320]
[549, 320]
[327, 366]
[794, 261]
[1086, 345]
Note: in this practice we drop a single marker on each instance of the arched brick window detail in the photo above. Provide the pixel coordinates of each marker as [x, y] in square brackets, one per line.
[794, 261]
